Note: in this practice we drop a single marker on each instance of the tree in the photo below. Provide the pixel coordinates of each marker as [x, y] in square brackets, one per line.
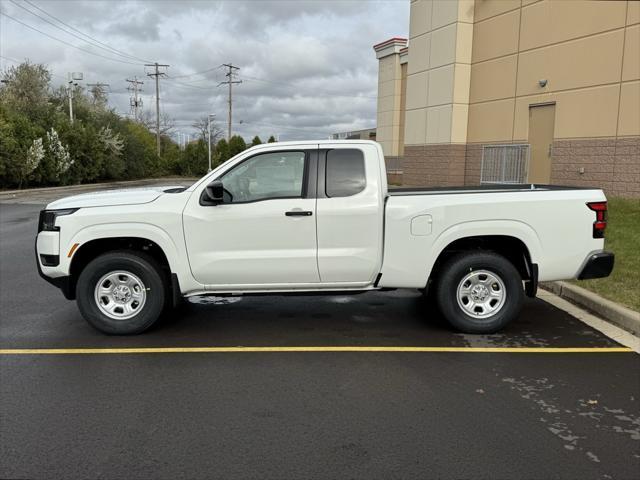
[139, 151]
[25, 87]
[39, 146]
[222, 151]
[272, 139]
[17, 136]
[35, 154]
[59, 153]
[98, 96]
[148, 119]
[256, 141]
[202, 126]
[236, 145]
[112, 144]
[195, 159]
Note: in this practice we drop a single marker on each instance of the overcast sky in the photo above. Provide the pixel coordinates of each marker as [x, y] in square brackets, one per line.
[308, 68]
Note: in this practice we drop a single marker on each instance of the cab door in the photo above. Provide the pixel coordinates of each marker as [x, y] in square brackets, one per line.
[264, 233]
[350, 213]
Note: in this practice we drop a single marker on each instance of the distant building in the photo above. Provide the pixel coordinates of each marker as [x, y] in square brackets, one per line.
[514, 91]
[366, 134]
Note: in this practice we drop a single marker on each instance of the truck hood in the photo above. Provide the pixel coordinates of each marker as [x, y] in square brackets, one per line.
[109, 198]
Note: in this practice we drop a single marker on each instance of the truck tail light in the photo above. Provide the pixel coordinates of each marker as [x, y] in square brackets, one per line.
[600, 224]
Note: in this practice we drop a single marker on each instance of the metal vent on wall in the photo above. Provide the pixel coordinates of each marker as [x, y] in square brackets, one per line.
[504, 164]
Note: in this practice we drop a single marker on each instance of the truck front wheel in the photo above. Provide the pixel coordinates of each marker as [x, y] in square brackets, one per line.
[479, 292]
[121, 292]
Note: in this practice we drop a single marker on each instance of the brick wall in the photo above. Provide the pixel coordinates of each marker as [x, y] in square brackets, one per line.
[626, 168]
[394, 178]
[608, 163]
[473, 162]
[434, 165]
[612, 164]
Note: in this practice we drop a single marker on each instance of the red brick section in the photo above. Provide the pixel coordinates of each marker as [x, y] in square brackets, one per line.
[434, 165]
[612, 164]
[474, 162]
[394, 178]
[626, 167]
[394, 170]
[608, 163]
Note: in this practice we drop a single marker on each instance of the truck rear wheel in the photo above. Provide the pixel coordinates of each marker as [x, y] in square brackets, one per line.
[121, 292]
[479, 292]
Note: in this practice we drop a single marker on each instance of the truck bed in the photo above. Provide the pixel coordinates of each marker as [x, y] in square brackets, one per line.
[497, 188]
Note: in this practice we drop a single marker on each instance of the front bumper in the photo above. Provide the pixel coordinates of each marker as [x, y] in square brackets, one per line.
[64, 283]
[598, 265]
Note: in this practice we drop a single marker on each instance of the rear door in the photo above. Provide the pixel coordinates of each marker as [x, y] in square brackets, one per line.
[350, 210]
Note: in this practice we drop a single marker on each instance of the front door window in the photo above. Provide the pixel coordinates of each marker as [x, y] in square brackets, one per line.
[266, 176]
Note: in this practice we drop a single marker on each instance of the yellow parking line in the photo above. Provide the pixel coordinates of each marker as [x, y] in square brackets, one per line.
[94, 351]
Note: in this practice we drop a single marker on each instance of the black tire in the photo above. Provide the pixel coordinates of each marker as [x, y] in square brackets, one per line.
[137, 263]
[457, 269]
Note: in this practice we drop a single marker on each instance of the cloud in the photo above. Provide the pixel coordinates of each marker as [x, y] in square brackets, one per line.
[138, 27]
[307, 67]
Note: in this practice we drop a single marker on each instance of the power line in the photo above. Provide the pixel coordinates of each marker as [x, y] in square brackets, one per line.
[92, 41]
[230, 74]
[14, 60]
[199, 73]
[84, 34]
[67, 43]
[99, 86]
[185, 85]
[98, 92]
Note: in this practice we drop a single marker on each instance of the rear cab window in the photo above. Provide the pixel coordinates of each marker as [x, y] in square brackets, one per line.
[345, 174]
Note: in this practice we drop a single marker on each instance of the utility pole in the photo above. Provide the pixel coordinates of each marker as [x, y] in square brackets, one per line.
[97, 89]
[70, 93]
[209, 138]
[135, 102]
[230, 81]
[157, 74]
[72, 76]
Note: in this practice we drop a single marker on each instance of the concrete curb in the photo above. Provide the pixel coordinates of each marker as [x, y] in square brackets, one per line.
[4, 194]
[616, 314]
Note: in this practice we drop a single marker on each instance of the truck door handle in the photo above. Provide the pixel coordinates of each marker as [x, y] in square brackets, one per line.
[298, 213]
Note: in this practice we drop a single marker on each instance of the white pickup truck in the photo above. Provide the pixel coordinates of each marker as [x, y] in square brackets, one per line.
[317, 217]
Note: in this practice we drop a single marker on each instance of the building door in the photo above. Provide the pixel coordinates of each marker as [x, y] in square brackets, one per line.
[541, 123]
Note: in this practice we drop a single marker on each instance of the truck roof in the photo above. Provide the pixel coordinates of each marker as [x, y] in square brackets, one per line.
[313, 142]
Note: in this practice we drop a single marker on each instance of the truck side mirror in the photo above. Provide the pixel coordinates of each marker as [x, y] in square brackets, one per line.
[215, 192]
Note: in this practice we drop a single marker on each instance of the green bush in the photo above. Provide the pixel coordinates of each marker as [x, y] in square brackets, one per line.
[39, 146]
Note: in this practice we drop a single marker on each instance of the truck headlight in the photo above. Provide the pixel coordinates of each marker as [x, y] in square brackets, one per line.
[47, 220]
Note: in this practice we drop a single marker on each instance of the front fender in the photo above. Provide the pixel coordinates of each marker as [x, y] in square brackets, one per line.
[175, 254]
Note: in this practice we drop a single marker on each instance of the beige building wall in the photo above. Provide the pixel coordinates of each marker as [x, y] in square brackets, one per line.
[390, 101]
[577, 46]
[438, 77]
[581, 56]
[438, 73]
[477, 68]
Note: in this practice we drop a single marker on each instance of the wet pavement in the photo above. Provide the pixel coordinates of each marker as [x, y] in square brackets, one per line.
[304, 414]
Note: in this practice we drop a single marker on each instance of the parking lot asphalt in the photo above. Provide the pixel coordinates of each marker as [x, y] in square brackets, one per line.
[311, 414]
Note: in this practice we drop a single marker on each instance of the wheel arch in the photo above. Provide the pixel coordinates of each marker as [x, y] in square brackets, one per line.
[513, 248]
[91, 249]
